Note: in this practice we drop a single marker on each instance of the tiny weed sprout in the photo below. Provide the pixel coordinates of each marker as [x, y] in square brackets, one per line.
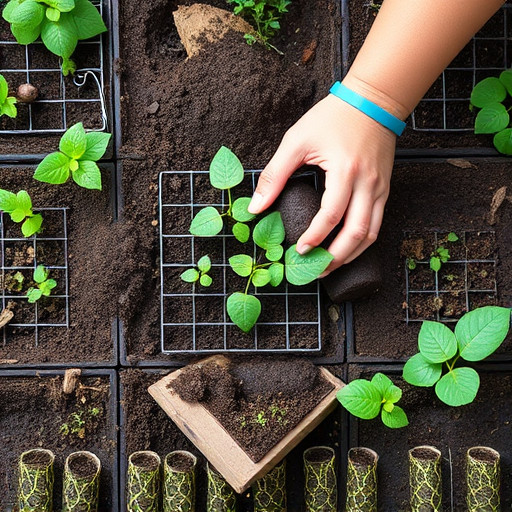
[477, 335]
[367, 399]
[44, 285]
[7, 103]
[264, 15]
[19, 207]
[200, 273]
[79, 152]
[489, 95]
[244, 309]
[60, 23]
[441, 254]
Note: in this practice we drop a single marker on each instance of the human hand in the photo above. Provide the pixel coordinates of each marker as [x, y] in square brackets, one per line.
[357, 156]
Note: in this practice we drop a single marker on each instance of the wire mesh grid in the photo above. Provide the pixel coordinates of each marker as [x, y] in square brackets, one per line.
[296, 311]
[459, 280]
[62, 101]
[23, 255]
[446, 106]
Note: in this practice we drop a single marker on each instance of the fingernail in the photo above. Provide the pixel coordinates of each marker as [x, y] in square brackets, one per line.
[255, 204]
[304, 248]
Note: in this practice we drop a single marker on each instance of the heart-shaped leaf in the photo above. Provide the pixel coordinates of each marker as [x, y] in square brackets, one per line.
[243, 310]
[420, 372]
[436, 342]
[207, 222]
[458, 387]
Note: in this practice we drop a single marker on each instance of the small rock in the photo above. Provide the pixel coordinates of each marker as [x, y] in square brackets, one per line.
[153, 108]
[154, 223]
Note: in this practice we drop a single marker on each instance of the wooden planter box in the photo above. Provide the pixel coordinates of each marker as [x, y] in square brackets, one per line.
[221, 450]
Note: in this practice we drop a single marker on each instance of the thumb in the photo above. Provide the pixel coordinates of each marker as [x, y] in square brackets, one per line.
[286, 160]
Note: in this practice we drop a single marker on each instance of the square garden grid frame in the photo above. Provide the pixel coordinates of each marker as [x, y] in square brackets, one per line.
[62, 99]
[445, 106]
[32, 316]
[190, 313]
[467, 279]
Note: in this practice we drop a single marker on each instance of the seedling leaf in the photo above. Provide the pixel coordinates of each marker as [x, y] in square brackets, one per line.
[204, 264]
[226, 170]
[481, 331]
[27, 15]
[261, 277]
[269, 231]
[458, 387]
[60, 38]
[302, 269]
[88, 20]
[436, 342]
[420, 372]
[53, 169]
[239, 210]
[452, 237]
[241, 232]
[87, 175]
[34, 294]
[488, 91]
[32, 225]
[492, 119]
[190, 276]
[435, 263]
[74, 141]
[8, 201]
[40, 274]
[9, 107]
[241, 264]
[96, 144]
[382, 383]
[205, 280]
[274, 253]
[506, 80]
[207, 222]
[394, 419]
[503, 141]
[276, 271]
[361, 398]
[243, 310]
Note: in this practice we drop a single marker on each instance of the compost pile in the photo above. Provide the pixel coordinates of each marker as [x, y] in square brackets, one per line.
[258, 401]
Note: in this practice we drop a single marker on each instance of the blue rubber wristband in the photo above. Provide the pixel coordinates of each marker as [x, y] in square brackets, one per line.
[368, 107]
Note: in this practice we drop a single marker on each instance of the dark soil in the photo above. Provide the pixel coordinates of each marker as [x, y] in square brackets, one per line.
[361, 457]
[424, 454]
[147, 427]
[180, 462]
[93, 253]
[146, 461]
[459, 84]
[33, 411]
[278, 394]
[425, 198]
[319, 455]
[36, 458]
[482, 455]
[83, 466]
[485, 422]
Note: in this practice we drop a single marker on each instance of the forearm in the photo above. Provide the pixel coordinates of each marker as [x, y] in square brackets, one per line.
[410, 44]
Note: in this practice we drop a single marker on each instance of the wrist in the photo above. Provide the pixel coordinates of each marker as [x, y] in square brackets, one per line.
[375, 95]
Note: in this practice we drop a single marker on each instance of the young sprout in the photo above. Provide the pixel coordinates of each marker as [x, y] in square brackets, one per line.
[7, 103]
[19, 207]
[200, 273]
[260, 419]
[44, 286]
[441, 254]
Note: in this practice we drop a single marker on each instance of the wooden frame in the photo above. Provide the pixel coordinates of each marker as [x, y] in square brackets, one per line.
[221, 450]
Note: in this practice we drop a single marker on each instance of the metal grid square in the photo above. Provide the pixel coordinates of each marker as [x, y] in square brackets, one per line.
[188, 201]
[448, 99]
[61, 265]
[35, 118]
[437, 292]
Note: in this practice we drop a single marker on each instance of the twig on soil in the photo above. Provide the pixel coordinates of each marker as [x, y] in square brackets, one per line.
[71, 377]
[497, 200]
[5, 317]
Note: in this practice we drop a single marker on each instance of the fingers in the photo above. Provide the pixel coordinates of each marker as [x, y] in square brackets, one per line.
[334, 203]
[287, 159]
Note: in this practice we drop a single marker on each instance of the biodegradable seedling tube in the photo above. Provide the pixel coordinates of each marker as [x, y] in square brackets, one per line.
[36, 479]
[143, 482]
[483, 479]
[320, 486]
[221, 496]
[425, 479]
[362, 480]
[270, 491]
[81, 488]
[180, 482]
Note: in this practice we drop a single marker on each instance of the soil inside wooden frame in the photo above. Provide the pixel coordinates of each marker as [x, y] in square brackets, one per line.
[231, 94]
[426, 196]
[485, 422]
[147, 427]
[33, 411]
[94, 260]
[49, 115]
[140, 222]
[459, 84]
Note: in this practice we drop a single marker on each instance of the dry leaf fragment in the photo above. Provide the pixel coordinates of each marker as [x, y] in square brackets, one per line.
[461, 163]
[5, 317]
[497, 200]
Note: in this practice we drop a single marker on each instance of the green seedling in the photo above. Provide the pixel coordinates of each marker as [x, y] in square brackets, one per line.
[226, 172]
[79, 152]
[200, 273]
[15, 283]
[441, 254]
[492, 95]
[7, 103]
[279, 414]
[367, 399]
[79, 422]
[19, 207]
[260, 419]
[44, 285]
[60, 23]
[264, 16]
[477, 335]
